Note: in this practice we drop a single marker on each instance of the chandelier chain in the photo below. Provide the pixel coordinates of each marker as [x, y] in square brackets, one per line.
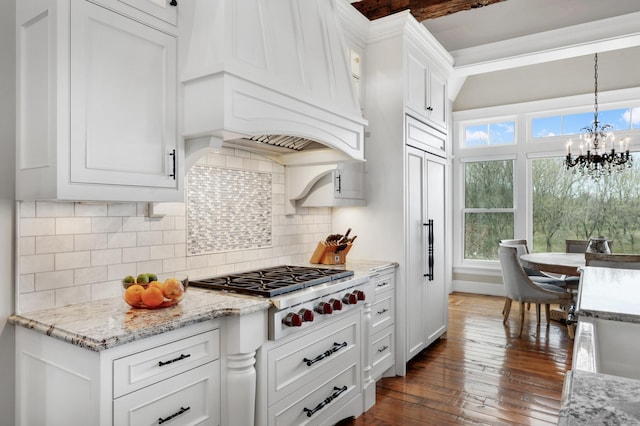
[595, 106]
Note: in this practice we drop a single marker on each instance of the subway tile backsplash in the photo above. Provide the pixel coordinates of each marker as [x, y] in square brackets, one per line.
[75, 252]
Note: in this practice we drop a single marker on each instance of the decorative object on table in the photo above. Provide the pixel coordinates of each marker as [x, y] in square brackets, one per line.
[598, 245]
[145, 291]
[333, 250]
[597, 161]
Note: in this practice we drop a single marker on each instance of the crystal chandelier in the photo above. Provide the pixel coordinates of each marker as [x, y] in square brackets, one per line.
[597, 161]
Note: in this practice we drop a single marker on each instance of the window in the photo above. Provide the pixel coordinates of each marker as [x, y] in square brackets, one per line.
[488, 207]
[502, 133]
[567, 206]
[572, 124]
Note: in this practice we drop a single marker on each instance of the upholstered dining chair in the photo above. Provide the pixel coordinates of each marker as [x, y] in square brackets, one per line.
[620, 261]
[576, 246]
[535, 275]
[519, 287]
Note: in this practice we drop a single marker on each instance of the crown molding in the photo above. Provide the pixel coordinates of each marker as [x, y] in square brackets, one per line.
[615, 33]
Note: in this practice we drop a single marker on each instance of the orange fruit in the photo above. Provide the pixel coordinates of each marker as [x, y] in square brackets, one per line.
[133, 294]
[172, 288]
[155, 284]
[152, 297]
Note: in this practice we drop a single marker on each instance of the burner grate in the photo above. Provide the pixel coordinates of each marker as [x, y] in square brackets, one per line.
[272, 281]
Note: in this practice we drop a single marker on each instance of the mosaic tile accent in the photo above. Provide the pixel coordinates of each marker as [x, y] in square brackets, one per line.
[227, 209]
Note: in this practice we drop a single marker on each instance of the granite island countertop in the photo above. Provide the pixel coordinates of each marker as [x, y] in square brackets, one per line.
[103, 324]
[609, 293]
[599, 399]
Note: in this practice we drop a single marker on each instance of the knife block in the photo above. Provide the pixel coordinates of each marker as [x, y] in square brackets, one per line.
[327, 255]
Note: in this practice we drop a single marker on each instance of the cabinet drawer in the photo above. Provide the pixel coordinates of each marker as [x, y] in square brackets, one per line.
[423, 137]
[325, 399]
[135, 371]
[191, 398]
[383, 283]
[382, 352]
[382, 312]
[313, 357]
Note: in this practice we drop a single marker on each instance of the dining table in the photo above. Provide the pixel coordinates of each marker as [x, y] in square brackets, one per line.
[555, 263]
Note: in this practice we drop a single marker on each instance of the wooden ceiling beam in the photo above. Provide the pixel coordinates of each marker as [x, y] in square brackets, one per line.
[420, 9]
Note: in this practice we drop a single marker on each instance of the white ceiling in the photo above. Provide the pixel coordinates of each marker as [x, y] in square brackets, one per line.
[517, 18]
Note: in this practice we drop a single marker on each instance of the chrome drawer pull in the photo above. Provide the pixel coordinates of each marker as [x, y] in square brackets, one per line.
[382, 311]
[180, 358]
[384, 348]
[382, 284]
[166, 419]
[336, 347]
[334, 395]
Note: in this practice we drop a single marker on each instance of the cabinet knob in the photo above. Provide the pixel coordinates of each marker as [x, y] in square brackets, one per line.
[173, 3]
[429, 109]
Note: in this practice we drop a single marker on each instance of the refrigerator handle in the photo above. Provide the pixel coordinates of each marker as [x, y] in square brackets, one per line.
[429, 226]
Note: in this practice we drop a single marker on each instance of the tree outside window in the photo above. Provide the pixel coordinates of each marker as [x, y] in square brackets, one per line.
[488, 212]
[569, 206]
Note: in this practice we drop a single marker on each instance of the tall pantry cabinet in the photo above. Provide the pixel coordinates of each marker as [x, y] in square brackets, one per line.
[407, 176]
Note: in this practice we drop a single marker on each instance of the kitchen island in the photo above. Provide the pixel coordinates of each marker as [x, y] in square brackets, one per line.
[604, 383]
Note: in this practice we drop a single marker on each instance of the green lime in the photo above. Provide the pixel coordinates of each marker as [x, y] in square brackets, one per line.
[142, 279]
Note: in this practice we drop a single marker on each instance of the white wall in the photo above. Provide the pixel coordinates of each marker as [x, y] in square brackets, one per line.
[7, 204]
[617, 70]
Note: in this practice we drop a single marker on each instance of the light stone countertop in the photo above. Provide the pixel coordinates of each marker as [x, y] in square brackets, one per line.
[103, 324]
[610, 294]
[595, 398]
[599, 399]
[107, 323]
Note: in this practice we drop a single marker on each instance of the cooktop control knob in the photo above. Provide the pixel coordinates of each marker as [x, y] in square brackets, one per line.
[350, 299]
[359, 294]
[324, 308]
[337, 305]
[306, 314]
[292, 320]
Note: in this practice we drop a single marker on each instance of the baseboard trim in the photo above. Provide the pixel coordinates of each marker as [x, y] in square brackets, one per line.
[478, 288]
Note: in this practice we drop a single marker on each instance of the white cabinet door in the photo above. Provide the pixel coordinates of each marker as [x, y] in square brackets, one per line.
[437, 101]
[349, 181]
[437, 296]
[123, 101]
[426, 87]
[416, 81]
[426, 290]
[416, 269]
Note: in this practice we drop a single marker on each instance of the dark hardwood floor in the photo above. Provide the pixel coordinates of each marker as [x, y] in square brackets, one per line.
[482, 373]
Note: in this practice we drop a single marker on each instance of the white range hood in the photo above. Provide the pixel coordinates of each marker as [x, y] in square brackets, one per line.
[267, 67]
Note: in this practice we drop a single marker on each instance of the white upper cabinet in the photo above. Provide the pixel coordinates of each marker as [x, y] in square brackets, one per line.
[426, 89]
[97, 95]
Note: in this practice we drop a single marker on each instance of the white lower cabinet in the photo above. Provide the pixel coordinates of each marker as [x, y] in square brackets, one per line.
[312, 378]
[382, 338]
[174, 377]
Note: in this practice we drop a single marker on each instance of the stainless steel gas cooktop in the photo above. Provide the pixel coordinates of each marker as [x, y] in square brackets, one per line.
[270, 282]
